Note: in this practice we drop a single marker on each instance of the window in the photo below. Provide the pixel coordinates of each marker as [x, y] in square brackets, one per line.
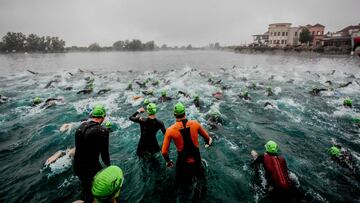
[270, 41]
[278, 33]
[286, 33]
[313, 32]
[285, 41]
[283, 33]
[282, 41]
[318, 33]
[274, 33]
[270, 33]
[322, 32]
[295, 34]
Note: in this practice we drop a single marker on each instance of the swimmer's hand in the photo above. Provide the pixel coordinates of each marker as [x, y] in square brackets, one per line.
[254, 154]
[170, 164]
[141, 110]
[210, 142]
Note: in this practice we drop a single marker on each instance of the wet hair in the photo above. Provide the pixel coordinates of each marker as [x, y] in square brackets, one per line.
[179, 115]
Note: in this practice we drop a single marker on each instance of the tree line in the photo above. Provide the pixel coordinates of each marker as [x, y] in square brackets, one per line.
[19, 42]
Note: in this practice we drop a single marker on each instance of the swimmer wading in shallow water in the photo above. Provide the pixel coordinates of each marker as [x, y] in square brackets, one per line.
[185, 135]
[149, 127]
[91, 141]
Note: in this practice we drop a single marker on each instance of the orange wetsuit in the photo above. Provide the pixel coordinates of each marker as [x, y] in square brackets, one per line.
[173, 133]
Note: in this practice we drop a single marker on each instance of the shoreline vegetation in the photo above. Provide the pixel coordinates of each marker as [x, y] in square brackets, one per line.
[17, 42]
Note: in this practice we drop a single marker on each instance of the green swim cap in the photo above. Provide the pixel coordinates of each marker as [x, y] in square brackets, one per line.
[108, 124]
[196, 97]
[163, 93]
[98, 111]
[179, 109]
[334, 151]
[271, 147]
[107, 184]
[246, 93]
[151, 109]
[146, 101]
[37, 100]
[356, 120]
[347, 102]
[268, 88]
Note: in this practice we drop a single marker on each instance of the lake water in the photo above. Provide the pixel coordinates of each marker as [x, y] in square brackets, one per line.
[302, 125]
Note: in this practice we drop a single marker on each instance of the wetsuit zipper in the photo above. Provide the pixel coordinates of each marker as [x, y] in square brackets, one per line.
[279, 171]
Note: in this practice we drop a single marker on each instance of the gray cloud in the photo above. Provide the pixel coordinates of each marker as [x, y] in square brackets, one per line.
[197, 22]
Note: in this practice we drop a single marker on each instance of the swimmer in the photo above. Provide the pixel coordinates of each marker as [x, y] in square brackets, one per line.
[345, 85]
[149, 127]
[32, 72]
[3, 99]
[36, 101]
[103, 91]
[218, 95]
[148, 92]
[329, 82]
[343, 157]
[58, 154]
[164, 97]
[245, 96]
[183, 93]
[107, 185]
[316, 91]
[141, 85]
[68, 88]
[268, 105]
[196, 101]
[129, 87]
[185, 134]
[269, 91]
[51, 102]
[134, 98]
[347, 103]
[49, 83]
[279, 184]
[214, 119]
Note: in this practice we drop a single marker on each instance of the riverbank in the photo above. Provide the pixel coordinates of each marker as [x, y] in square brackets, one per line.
[329, 50]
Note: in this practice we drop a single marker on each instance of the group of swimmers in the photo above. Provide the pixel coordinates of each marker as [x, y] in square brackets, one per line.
[103, 184]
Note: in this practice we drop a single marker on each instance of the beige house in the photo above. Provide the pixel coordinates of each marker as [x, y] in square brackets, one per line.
[279, 34]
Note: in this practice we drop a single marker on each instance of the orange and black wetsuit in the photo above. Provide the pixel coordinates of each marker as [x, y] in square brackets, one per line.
[185, 136]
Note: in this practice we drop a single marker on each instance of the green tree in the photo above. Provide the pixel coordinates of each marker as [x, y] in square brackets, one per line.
[119, 45]
[14, 41]
[33, 43]
[149, 46]
[189, 47]
[305, 36]
[94, 47]
[57, 44]
[135, 45]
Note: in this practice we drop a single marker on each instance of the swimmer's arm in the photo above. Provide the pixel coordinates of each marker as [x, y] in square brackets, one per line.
[135, 118]
[162, 127]
[165, 146]
[55, 157]
[258, 159]
[105, 149]
[205, 135]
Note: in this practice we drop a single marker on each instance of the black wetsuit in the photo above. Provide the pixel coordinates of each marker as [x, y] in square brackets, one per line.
[91, 141]
[345, 160]
[149, 127]
[164, 99]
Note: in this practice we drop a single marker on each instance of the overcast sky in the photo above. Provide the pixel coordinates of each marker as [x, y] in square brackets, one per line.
[181, 22]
